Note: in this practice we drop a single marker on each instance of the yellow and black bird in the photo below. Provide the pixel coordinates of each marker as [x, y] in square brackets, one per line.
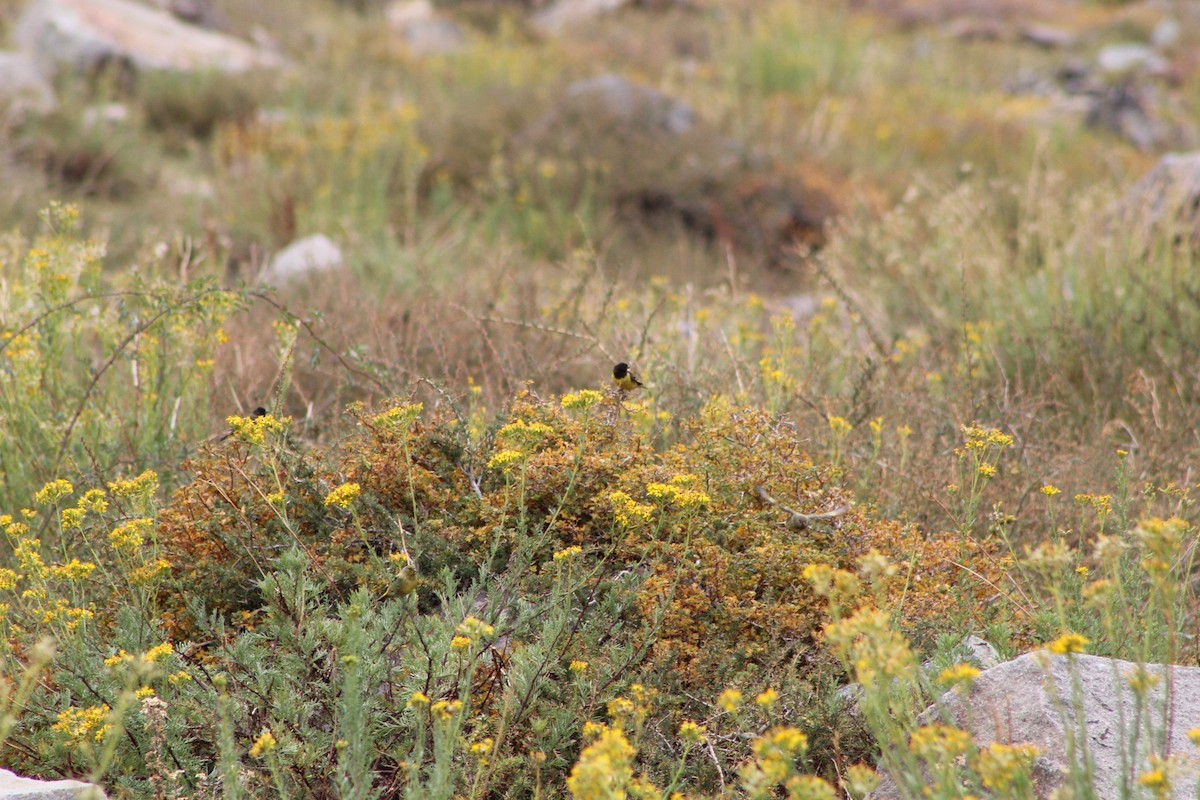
[625, 380]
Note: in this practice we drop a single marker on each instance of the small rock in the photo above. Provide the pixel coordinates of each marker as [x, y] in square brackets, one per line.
[203, 13]
[1128, 111]
[1049, 38]
[639, 106]
[982, 651]
[1020, 702]
[1121, 59]
[424, 31]
[564, 14]
[14, 787]
[302, 258]
[1166, 35]
[23, 89]
[89, 35]
[107, 114]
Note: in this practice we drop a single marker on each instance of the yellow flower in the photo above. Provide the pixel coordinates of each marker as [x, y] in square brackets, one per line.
[860, 781]
[143, 486]
[987, 470]
[1068, 644]
[1194, 736]
[939, 744]
[505, 459]
[482, 748]
[72, 518]
[691, 733]
[84, 725]
[809, 787]
[75, 571]
[999, 764]
[159, 653]
[460, 643]
[604, 770]
[582, 400]
[578, 667]
[839, 426]
[400, 418]
[964, 674]
[729, 700]
[418, 700]
[568, 553]
[445, 710]
[475, 629]
[1051, 491]
[264, 744]
[176, 678]
[8, 580]
[131, 535]
[143, 693]
[767, 699]
[53, 491]
[343, 496]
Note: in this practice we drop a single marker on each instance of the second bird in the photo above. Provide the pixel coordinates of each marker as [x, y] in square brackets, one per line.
[625, 380]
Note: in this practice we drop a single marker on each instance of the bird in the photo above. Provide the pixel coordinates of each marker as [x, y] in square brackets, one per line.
[625, 380]
[255, 414]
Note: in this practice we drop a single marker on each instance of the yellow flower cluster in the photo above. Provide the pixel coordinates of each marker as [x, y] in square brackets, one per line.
[582, 400]
[474, 629]
[254, 430]
[691, 733]
[568, 553]
[343, 496]
[524, 435]
[998, 765]
[52, 492]
[76, 570]
[84, 725]
[604, 769]
[867, 640]
[264, 744]
[939, 744]
[730, 700]
[1068, 644]
[131, 535]
[149, 573]
[143, 487]
[627, 511]
[673, 494]
[505, 459]
[445, 710]
[64, 612]
[400, 418]
[959, 675]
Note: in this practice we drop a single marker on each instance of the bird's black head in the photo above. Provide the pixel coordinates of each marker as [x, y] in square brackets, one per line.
[258, 412]
[620, 370]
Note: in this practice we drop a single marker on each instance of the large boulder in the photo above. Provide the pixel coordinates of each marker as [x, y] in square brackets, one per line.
[1164, 206]
[89, 35]
[1030, 701]
[303, 258]
[23, 89]
[14, 787]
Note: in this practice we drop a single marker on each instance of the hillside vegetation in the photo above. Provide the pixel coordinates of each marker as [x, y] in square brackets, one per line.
[907, 379]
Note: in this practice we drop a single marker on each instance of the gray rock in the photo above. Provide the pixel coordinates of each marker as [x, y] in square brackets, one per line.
[1163, 206]
[1048, 37]
[1121, 59]
[302, 258]
[23, 89]
[194, 12]
[982, 651]
[1022, 702]
[564, 14]
[638, 106]
[1166, 34]
[424, 31]
[14, 787]
[87, 35]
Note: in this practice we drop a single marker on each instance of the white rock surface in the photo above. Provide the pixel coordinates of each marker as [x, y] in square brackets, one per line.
[14, 787]
[304, 257]
[1163, 203]
[23, 89]
[1119, 59]
[563, 14]
[1021, 702]
[424, 31]
[84, 35]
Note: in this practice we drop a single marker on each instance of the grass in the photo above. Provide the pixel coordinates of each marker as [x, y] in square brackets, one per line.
[450, 562]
